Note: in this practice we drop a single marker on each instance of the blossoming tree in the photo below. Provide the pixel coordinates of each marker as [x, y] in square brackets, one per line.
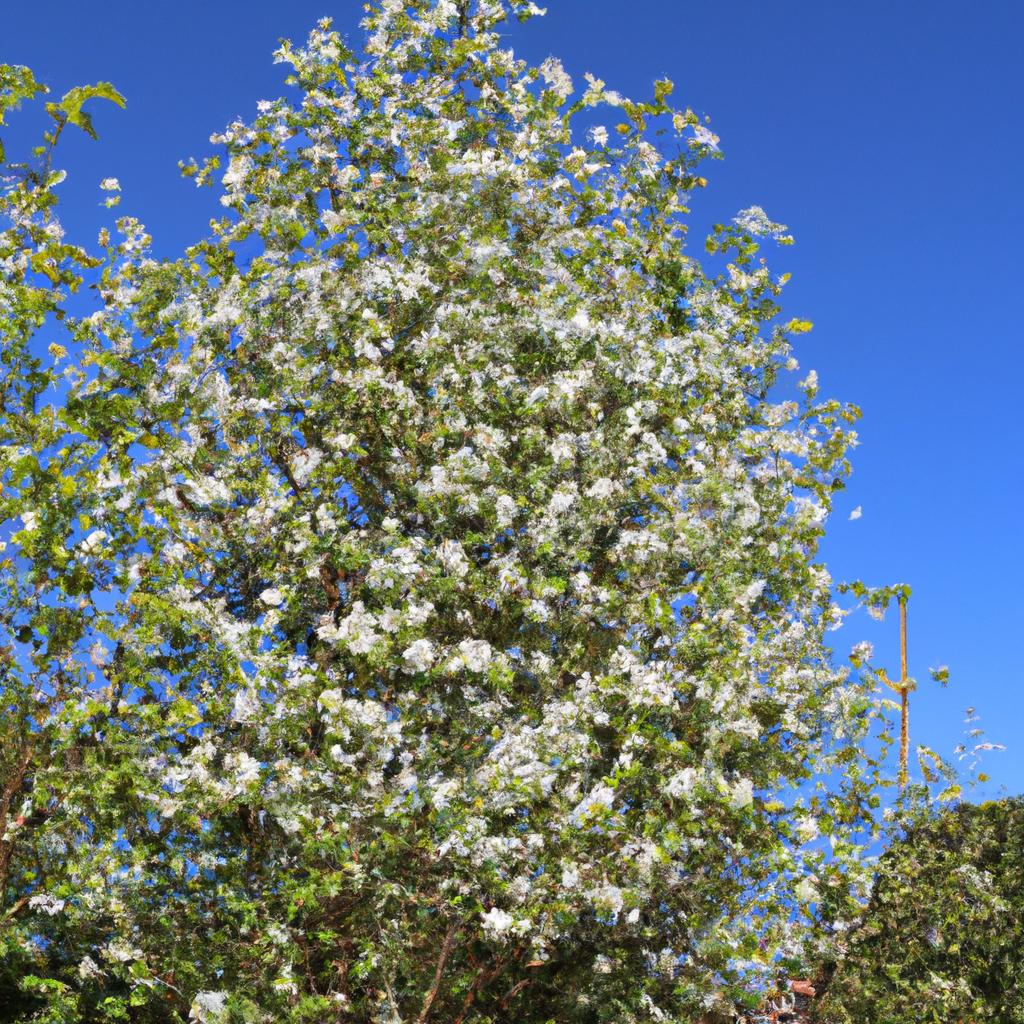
[410, 607]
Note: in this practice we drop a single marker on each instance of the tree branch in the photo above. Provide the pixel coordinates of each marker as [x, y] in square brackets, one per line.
[446, 948]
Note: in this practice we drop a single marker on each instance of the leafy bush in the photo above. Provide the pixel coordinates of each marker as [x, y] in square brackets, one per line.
[943, 936]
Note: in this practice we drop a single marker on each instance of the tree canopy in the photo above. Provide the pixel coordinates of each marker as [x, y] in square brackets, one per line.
[412, 606]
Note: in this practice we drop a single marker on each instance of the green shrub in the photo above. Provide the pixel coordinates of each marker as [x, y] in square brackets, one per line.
[943, 935]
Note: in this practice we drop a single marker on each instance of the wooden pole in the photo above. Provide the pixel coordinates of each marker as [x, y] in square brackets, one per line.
[904, 698]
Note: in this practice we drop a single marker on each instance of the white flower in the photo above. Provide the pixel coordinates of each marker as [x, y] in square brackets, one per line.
[560, 450]
[88, 969]
[607, 899]
[561, 501]
[343, 442]
[452, 557]
[208, 1007]
[443, 794]
[94, 542]
[600, 798]
[856, 513]
[108, 481]
[705, 137]
[122, 954]
[475, 655]
[807, 829]
[246, 705]
[285, 981]
[334, 222]
[98, 654]
[110, 185]
[807, 891]
[390, 620]
[538, 394]
[46, 903]
[752, 593]
[755, 221]
[556, 77]
[444, 12]
[417, 614]
[682, 783]
[238, 170]
[358, 629]
[418, 656]
[742, 794]
[246, 769]
[272, 597]
[497, 922]
[303, 464]
[505, 510]
[599, 135]
[603, 488]
[862, 651]
[810, 382]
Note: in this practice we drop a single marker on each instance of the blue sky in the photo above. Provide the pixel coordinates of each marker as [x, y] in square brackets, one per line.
[886, 135]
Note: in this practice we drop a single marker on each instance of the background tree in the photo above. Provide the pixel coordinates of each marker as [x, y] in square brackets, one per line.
[413, 608]
[942, 934]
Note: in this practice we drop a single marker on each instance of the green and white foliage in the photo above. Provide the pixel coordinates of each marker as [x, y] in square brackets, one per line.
[411, 605]
[942, 934]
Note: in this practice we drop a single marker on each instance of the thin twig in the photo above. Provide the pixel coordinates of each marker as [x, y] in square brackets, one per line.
[514, 991]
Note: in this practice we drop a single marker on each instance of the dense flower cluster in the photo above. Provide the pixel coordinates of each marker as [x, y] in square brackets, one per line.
[410, 606]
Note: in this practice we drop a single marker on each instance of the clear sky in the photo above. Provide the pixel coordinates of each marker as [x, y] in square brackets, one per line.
[886, 134]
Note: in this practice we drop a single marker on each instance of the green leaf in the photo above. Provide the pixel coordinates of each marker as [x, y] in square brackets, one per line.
[662, 89]
[799, 326]
[70, 111]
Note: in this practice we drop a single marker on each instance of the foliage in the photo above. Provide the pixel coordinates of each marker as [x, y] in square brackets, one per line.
[942, 935]
[411, 605]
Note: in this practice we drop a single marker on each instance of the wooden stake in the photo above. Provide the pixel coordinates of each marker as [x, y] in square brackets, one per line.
[904, 685]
